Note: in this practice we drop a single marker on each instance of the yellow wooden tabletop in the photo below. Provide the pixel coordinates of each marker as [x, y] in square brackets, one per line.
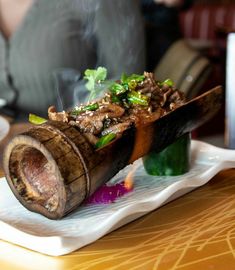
[196, 231]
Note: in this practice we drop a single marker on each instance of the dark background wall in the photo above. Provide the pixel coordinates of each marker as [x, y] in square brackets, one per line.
[215, 1]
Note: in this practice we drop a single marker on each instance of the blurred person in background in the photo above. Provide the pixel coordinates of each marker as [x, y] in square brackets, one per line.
[38, 37]
[162, 26]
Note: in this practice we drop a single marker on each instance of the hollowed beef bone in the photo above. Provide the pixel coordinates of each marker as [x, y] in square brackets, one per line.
[52, 168]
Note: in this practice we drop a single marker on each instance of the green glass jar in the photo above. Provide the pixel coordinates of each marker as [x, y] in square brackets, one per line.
[173, 160]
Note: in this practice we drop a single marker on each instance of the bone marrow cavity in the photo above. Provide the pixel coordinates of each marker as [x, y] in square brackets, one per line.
[34, 178]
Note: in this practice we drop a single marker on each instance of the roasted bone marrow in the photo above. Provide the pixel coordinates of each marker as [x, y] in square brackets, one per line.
[53, 167]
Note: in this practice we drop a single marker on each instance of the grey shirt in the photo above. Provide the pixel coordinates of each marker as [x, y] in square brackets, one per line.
[76, 34]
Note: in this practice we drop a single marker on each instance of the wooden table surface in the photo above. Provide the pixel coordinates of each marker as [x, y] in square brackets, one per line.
[196, 231]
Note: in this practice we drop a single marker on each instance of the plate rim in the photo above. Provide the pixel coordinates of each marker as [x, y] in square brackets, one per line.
[57, 245]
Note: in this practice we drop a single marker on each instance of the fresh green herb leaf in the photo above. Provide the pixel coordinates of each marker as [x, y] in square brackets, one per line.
[125, 85]
[168, 82]
[105, 140]
[90, 107]
[137, 98]
[115, 99]
[94, 76]
[124, 78]
[134, 77]
[117, 89]
[36, 120]
[132, 84]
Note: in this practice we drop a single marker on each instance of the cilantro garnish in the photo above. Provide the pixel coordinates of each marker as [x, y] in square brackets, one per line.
[94, 77]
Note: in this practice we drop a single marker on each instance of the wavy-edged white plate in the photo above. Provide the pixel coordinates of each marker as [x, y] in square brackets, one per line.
[4, 128]
[90, 222]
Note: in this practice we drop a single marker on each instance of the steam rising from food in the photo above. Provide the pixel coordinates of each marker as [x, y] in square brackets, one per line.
[113, 33]
[134, 100]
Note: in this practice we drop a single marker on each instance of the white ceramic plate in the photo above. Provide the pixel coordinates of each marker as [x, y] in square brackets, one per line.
[89, 223]
[4, 128]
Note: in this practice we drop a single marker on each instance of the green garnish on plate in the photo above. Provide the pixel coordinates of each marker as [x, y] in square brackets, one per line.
[36, 120]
